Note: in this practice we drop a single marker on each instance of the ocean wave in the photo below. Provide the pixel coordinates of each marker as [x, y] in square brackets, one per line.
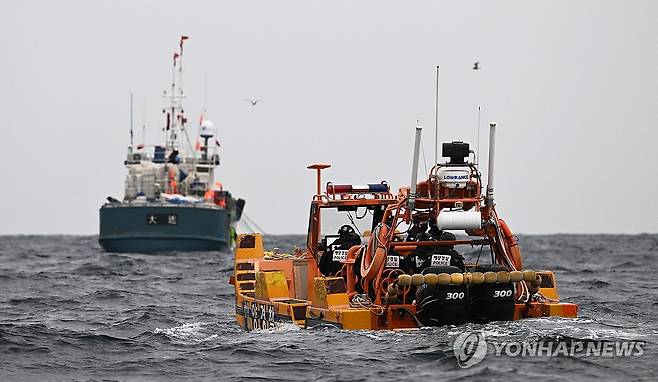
[192, 333]
[70, 311]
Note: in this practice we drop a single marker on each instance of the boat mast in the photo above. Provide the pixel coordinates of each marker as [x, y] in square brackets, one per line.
[131, 119]
[183, 120]
[171, 115]
[176, 118]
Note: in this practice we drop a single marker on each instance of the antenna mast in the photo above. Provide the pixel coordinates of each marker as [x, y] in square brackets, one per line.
[175, 117]
[144, 124]
[131, 119]
[477, 133]
[205, 93]
[436, 120]
[171, 116]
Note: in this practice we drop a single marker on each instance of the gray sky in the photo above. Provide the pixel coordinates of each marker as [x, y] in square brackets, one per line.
[573, 86]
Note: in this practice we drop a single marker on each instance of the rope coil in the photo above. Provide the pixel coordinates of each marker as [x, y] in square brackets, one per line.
[363, 302]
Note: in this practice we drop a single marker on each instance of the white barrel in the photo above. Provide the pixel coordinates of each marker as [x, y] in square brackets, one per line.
[459, 220]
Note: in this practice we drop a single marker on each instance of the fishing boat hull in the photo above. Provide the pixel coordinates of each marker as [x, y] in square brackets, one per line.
[158, 228]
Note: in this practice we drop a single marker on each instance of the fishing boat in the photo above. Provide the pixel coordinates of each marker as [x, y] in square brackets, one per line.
[172, 201]
[378, 261]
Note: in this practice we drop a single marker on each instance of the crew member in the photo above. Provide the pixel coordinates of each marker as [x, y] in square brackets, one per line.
[424, 257]
[347, 238]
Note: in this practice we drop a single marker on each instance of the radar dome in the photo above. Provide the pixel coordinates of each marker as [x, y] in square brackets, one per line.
[207, 128]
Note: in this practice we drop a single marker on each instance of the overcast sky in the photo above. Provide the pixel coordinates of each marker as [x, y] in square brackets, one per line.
[573, 86]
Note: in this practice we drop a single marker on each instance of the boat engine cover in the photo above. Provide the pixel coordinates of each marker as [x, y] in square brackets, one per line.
[438, 305]
[491, 302]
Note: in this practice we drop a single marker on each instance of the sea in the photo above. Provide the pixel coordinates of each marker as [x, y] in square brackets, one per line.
[71, 312]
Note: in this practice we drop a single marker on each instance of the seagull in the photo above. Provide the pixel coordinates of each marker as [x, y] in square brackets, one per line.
[253, 102]
[476, 65]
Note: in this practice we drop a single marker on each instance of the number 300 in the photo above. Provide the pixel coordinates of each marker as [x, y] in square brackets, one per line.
[454, 295]
[502, 293]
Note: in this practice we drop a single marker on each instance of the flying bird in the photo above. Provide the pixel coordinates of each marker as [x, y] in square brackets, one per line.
[476, 65]
[253, 102]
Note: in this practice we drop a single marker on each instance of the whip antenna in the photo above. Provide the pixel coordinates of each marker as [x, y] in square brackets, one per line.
[205, 93]
[144, 124]
[436, 120]
[131, 118]
[477, 133]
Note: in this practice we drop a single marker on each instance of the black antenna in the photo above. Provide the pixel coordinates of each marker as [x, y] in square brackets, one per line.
[436, 120]
[476, 66]
[477, 132]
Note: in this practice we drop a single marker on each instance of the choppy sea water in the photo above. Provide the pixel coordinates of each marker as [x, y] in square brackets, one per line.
[68, 311]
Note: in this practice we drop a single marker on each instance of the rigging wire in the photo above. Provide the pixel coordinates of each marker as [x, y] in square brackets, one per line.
[349, 215]
[479, 253]
[247, 225]
[422, 149]
[248, 220]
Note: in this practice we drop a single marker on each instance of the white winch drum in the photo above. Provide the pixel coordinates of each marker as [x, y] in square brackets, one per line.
[459, 220]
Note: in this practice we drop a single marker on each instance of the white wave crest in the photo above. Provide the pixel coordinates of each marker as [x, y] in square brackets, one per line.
[194, 332]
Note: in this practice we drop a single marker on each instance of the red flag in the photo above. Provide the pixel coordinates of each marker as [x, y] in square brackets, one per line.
[182, 38]
[175, 57]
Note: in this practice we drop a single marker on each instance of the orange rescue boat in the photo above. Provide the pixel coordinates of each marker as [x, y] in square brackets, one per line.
[376, 261]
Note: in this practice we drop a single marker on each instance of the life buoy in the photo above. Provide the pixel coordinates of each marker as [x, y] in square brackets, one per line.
[374, 255]
[512, 244]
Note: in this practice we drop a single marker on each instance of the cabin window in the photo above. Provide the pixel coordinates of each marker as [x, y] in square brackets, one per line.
[358, 218]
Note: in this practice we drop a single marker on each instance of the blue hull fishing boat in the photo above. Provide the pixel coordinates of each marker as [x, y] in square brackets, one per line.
[171, 200]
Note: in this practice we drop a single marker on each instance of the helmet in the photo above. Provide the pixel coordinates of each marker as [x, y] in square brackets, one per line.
[448, 236]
